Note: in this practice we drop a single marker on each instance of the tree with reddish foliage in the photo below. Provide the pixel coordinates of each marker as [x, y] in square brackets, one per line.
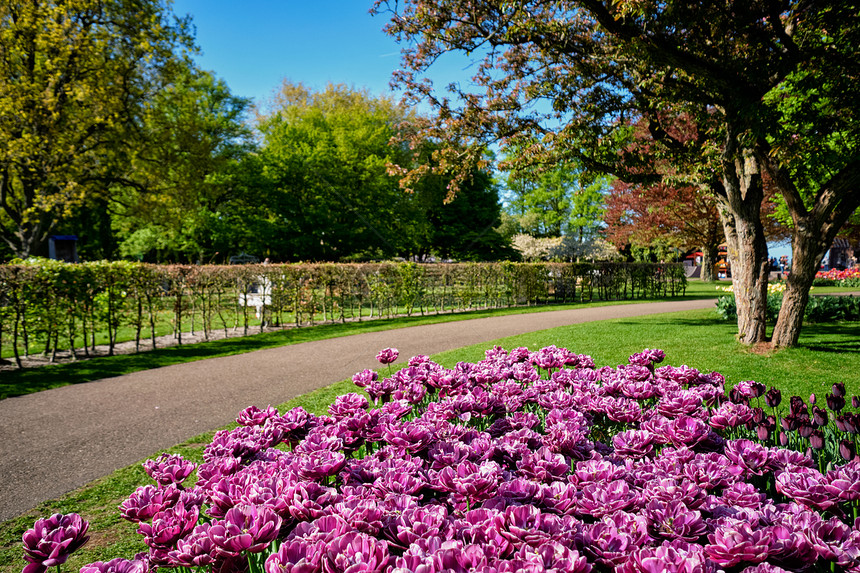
[771, 85]
[683, 217]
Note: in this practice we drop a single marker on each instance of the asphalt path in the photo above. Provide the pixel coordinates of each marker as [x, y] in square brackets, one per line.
[55, 441]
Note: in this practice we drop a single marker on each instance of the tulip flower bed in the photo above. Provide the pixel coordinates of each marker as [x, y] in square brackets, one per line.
[525, 461]
[835, 277]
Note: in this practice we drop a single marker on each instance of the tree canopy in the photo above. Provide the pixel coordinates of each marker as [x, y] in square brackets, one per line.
[74, 77]
[769, 85]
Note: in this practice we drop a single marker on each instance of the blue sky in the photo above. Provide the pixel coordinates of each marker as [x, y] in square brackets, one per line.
[254, 45]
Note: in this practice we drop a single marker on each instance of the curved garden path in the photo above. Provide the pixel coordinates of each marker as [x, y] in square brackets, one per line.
[55, 441]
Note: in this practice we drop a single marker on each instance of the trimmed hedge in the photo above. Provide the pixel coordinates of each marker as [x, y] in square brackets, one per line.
[59, 305]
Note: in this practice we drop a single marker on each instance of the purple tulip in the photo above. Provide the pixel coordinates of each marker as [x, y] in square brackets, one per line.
[169, 469]
[148, 500]
[253, 416]
[603, 499]
[52, 539]
[355, 553]
[197, 549]
[634, 443]
[807, 487]
[169, 525]
[675, 557]
[296, 557]
[245, 528]
[118, 565]
[674, 520]
[387, 355]
[738, 543]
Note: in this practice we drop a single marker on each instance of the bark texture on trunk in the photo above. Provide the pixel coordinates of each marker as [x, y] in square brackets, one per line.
[709, 259]
[740, 211]
[815, 227]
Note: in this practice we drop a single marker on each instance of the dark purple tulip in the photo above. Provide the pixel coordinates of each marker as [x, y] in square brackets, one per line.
[169, 469]
[797, 405]
[763, 432]
[805, 430]
[846, 450]
[245, 528]
[387, 355]
[835, 403]
[819, 416]
[816, 440]
[773, 397]
[838, 389]
[855, 401]
[52, 539]
[118, 565]
[783, 439]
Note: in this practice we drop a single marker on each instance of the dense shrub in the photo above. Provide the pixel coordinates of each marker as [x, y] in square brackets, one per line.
[818, 309]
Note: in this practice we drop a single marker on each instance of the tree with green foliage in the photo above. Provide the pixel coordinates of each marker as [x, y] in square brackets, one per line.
[185, 182]
[770, 86]
[74, 77]
[327, 156]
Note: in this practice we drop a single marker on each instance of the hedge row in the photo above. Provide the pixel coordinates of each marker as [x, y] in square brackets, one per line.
[63, 306]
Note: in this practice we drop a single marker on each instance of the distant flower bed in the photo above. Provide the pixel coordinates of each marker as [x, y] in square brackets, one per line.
[834, 277]
[525, 461]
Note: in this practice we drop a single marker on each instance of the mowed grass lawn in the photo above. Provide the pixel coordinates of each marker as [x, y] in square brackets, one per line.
[827, 354]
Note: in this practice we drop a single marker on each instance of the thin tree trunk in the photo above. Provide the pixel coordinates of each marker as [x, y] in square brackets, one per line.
[709, 259]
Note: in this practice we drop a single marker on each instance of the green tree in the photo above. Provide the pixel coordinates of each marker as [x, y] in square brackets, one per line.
[563, 200]
[185, 181]
[326, 155]
[74, 76]
[770, 86]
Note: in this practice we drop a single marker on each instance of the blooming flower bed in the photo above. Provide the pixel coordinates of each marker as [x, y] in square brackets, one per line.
[525, 461]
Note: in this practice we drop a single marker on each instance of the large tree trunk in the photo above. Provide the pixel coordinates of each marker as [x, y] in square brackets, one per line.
[814, 231]
[807, 250]
[740, 200]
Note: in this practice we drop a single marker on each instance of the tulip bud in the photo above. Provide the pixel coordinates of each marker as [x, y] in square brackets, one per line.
[816, 439]
[773, 397]
[819, 416]
[839, 389]
[783, 439]
[846, 449]
[812, 398]
[855, 401]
